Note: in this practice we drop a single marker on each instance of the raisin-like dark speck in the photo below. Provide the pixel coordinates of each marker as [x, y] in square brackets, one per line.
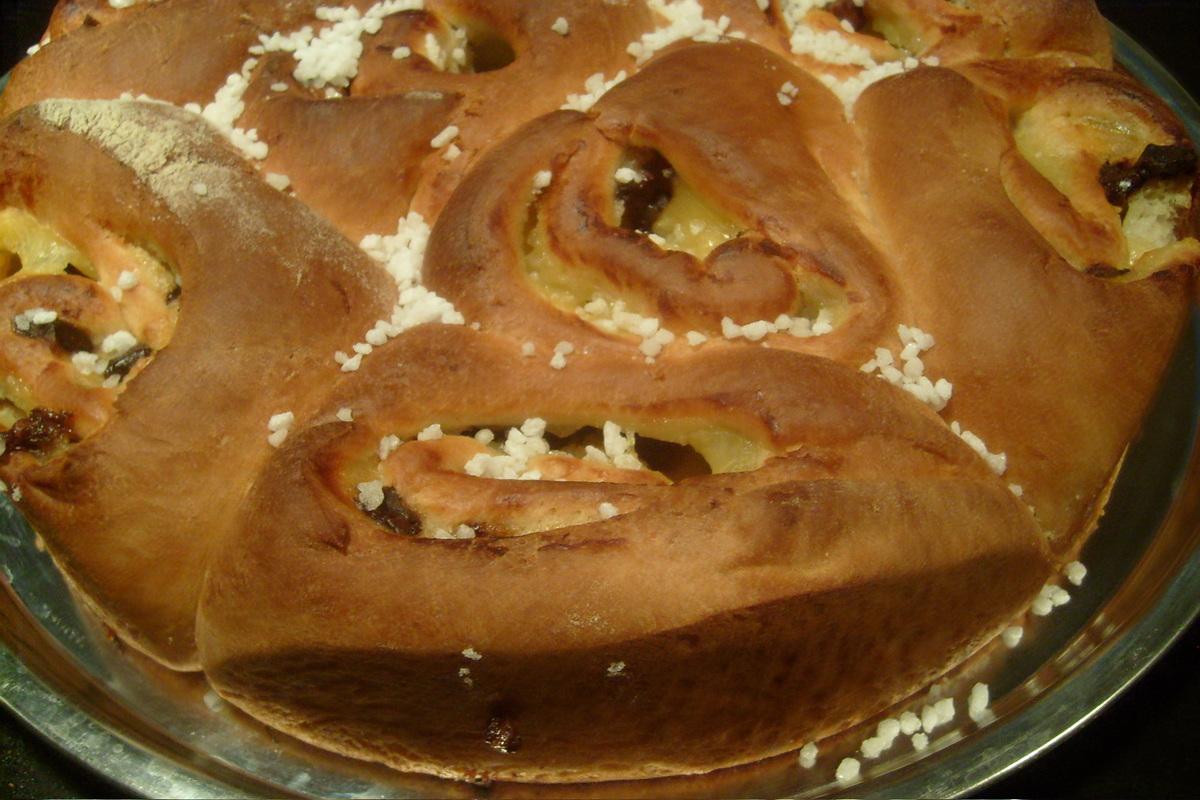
[645, 200]
[849, 11]
[71, 338]
[1105, 271]
[124, 362]
[1167, 160]
[1120, 181]
[1157, 161]
[173, 295]
[38, 432]
[68, 336]
[34, 330]
[395, 515]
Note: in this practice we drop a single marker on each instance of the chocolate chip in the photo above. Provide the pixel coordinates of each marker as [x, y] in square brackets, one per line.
[1120, 181]
[501, 735]
[71, 338]
[1157, 161]
[34, 330]
[643, 201]
[124, 362]
[395, 515]
[68, 336]
[173, 295]
[39, 432]
[1167, 161]
[849, 11]
[1105, 271]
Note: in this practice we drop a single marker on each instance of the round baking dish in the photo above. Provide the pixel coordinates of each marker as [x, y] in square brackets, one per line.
[162, 734]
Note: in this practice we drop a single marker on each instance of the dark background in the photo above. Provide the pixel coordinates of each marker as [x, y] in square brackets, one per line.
[1145, 744]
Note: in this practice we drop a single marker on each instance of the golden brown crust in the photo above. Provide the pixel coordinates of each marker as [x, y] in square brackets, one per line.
[31, 360]
[1039, 27]
[95, 62]
[366, 587]
[192, 46]
[70, 15]
[132, 512]
[765, 587]
[795, 193]
[933, 148]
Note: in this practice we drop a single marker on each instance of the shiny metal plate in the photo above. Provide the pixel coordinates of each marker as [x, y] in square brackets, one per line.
[162, 734]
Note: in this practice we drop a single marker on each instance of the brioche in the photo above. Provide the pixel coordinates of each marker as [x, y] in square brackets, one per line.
[566, 391]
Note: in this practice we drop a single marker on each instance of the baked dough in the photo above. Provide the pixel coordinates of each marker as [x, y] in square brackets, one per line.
[732, 374]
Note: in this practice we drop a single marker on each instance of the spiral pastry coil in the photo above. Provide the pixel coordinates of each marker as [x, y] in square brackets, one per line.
[706, 378]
